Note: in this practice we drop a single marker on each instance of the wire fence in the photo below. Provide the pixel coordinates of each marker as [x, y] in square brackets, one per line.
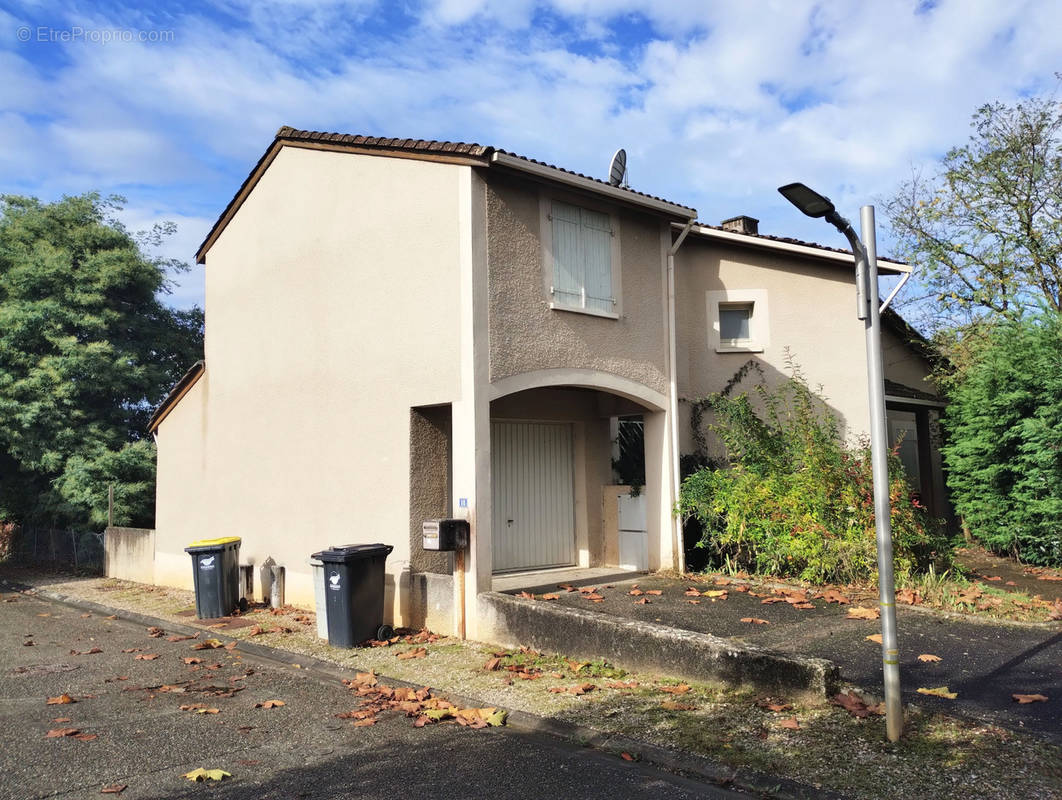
[67, 548]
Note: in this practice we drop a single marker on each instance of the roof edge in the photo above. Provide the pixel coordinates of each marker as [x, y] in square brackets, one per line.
[794, 246]
[179, 390]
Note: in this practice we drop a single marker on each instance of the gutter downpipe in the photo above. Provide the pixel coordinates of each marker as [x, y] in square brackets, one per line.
[676, 476]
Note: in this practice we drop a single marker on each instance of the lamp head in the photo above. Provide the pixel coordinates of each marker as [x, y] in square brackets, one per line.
[807, 200]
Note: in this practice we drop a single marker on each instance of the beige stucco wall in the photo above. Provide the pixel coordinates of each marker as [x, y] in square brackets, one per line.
[811, 315]
[332, 308]
[904, 365]
[526, 335]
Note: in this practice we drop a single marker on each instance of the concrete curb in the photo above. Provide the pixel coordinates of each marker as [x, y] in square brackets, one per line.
[679, 762]
[644, 646]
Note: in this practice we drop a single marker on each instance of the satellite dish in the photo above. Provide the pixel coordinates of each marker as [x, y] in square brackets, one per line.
[617, 170]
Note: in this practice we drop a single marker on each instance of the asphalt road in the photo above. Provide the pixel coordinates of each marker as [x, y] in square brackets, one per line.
[299, 750]
[984, 663]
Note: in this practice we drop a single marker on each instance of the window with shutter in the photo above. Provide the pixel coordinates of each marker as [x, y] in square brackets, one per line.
[582, 258]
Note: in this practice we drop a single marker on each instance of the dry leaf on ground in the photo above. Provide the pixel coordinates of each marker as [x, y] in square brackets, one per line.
[874, 637]
[939, 691]
[1029, 698]
[201, 774]
[57, 733]
[682, 688]
[269, 704]
[858, 612]
[114, 788]
[61, 700]
[146, 656]
[416, 652]
[790, 723]
[755, 620]
[928, 658]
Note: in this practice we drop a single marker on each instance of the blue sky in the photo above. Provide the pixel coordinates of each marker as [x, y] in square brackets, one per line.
[717, 103]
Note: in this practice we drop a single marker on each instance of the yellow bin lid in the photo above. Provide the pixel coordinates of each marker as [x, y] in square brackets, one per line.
[215, 542]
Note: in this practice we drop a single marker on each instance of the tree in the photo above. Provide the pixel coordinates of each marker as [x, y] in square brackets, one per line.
[87, 349]
[1004, 454]
[986, 231]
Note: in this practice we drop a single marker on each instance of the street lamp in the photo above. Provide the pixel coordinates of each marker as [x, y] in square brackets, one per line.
[816, 205]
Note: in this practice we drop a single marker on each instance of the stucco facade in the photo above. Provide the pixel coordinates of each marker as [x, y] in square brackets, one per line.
[378, 310]
[317, 295]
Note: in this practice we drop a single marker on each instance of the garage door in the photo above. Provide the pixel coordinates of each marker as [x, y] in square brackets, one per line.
[533, 508]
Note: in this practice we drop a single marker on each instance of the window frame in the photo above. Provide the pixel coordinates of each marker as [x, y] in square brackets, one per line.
[759, 333]
[546, 200]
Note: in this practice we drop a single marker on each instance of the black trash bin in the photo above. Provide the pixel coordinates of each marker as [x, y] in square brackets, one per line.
[354, 592]
[216, 567]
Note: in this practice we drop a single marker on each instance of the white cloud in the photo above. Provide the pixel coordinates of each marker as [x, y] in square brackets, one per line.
[717, 104]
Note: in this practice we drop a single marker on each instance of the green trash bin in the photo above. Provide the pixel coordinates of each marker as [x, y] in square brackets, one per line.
[216, 569]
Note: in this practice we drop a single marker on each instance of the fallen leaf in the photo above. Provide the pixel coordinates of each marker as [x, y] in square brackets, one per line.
[114, 788]
[790, 723]
[86, 737]
[112, 616]
[208, 644]
[853, 704]
[874, 637]
[626, 756]
[775, 707]
[694, 602]
[61, 720]
[621, 685]
[550, 596]
[193, 660]
[492, 664]
[928, 658]
[755, 620]
[89, 652]
[715, 594]
[596, 598]
[417, 652]
[911, 597]
[1029, 698]
[269, 704]
[29, 643]
[858, 612]
[654, 592]
[636, 592]
[693, 591]
[201, 774]
[526, 595]
[85, 616]
[642, 601]
[146, 656]
[682, 688]
[831, 596]
[155, 632]
[57, 733]
[939, 691]
[804, 606]
[364, 723]
[61, 700]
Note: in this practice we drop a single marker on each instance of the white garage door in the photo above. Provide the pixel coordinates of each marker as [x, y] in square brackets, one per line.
[533, 507]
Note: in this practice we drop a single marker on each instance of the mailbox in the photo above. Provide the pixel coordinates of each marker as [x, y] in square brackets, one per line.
[445, 534]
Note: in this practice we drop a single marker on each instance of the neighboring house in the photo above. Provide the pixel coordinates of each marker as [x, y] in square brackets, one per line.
[400, 330]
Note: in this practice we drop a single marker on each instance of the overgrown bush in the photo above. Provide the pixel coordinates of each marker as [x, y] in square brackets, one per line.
[797, 500]
[1004, 450]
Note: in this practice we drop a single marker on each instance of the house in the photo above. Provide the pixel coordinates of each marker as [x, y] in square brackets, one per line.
[400, 330]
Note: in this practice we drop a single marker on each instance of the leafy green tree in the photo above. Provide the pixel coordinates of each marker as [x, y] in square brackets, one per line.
[1004, 454]
[985, 231]
[87, 349]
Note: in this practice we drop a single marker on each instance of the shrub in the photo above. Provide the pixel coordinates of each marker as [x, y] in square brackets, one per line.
[1004, 450]
[797, 500]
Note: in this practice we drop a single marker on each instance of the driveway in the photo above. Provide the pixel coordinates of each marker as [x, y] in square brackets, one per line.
[984, 663]
[128, 690]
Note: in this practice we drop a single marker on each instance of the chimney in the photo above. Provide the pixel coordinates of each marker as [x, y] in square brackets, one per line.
[741, 224]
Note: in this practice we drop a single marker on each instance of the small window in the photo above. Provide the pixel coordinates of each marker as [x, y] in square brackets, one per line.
[737, 320]
[582, 259]
[735, 324]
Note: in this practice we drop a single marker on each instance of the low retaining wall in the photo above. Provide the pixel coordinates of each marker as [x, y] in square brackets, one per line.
[651, 647]
[129, 554]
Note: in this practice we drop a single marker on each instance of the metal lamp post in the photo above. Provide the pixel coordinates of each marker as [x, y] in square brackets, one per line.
[816, 205]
